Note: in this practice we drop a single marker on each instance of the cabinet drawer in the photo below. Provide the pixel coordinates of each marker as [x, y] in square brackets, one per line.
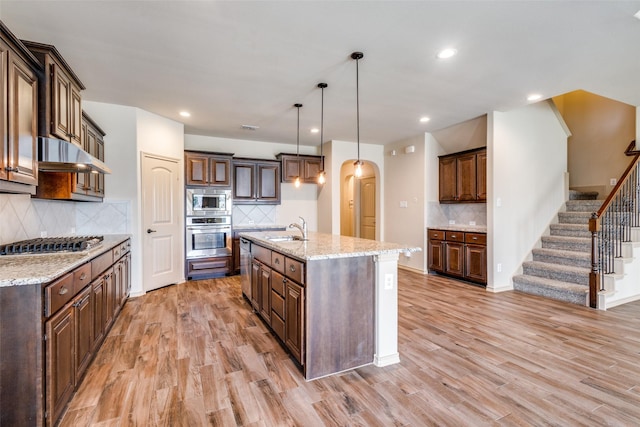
[277, 283]
[294, 270]
[261, 254]
[477, 238]
[81, 277]
[455, 236]
[277, 262]
[101, 263]
[277, 324]
[58, 294]
[277, 304]
[436, 235]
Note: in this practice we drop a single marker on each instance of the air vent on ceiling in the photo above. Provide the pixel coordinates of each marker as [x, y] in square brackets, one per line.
[250, 127]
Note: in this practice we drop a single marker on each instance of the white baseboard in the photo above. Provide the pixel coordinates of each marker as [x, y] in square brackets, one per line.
[415, 270]
[390, 359]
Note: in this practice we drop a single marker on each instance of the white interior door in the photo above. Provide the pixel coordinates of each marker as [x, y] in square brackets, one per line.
[162, 229]
[368, 208]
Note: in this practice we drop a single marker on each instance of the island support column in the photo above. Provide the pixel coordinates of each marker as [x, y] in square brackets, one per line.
[386, 315]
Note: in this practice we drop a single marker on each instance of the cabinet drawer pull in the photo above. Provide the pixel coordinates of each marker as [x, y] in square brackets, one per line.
[292, 268]
[83, 276]
[63, 291]
[277, 261]
[453, 236]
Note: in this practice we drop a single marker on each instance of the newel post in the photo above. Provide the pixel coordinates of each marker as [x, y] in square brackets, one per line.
[594, 275]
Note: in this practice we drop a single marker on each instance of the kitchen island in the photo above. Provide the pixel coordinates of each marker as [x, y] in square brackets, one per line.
[332, 300]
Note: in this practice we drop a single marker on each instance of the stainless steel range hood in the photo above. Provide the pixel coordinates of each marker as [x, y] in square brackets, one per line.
[55, 155]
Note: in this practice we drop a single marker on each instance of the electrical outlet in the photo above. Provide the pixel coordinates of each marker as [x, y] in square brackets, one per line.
[613, 181]
[472, 223]
[499, 267]
[404, 204]
[452, 222]
[43, 234]
[388, 281]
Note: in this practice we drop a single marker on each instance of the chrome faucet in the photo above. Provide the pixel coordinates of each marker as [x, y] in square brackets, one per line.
[302, 228]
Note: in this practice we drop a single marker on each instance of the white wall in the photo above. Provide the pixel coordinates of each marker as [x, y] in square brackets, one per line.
[295, 202]
[526, 163]
[405, 182]
[131, 131]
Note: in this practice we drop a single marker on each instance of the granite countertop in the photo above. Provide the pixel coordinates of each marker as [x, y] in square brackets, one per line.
[17, 270]
[462, 227]
[326, 246]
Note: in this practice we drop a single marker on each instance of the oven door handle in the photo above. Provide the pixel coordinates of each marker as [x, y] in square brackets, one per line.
[209, 227]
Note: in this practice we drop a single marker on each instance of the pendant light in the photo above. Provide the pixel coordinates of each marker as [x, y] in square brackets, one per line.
[358, 163]
[321, 175]
[297, 180]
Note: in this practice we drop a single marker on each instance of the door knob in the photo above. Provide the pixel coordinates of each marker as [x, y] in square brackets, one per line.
[149, 231]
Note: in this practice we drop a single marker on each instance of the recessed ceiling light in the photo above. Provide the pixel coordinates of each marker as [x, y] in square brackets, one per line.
[424, 119]
[446, 53]
[534, 97]
[315, 130]
[185, 114]
[250, 127]
[637, 15]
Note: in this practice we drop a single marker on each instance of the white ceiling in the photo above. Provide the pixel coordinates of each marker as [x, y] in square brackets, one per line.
[238, 62]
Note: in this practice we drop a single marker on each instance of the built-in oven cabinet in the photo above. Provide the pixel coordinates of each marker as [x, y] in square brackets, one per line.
[207, 169]
[19, 109]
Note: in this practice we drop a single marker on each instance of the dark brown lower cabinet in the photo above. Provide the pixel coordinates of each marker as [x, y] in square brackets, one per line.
[294, 314]
[83, 307]
[454, 258]
[60, 380]
[50, 333]
[458, 254]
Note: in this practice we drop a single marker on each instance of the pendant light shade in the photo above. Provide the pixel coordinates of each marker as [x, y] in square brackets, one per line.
[358, 163]
[297, 180]
[321, 175]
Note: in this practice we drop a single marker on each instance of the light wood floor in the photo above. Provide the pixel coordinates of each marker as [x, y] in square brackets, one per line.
[194, 355]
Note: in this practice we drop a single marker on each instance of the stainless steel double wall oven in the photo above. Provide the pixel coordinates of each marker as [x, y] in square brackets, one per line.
[208, 223]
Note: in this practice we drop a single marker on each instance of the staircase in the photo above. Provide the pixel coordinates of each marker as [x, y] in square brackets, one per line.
[560, 268]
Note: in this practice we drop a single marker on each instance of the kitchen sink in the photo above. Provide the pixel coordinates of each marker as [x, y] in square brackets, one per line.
[284, 238]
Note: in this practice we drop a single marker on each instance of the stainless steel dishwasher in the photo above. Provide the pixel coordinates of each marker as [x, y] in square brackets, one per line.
[245, 266]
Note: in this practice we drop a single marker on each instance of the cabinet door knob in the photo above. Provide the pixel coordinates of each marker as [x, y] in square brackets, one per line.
[63, 291]
[292, 268]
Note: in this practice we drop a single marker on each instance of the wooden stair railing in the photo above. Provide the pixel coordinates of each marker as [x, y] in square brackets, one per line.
[611, 225]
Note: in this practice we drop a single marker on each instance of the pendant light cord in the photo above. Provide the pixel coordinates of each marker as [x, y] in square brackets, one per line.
[358, 106]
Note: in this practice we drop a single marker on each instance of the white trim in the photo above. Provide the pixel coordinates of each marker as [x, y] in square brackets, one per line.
[390, 359]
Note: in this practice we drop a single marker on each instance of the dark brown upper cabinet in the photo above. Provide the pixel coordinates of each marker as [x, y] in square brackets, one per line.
[463, 176]
[256, 181]
[19, 115]
[304, 166]
[60, 102]
[207, 169]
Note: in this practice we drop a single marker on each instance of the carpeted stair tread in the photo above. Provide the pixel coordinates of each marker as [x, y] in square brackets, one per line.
[576, 244]
[570, 230]
[564, 273]
[583, 205]
[574, 217]
[555, 289]
[582, 195]
[556, 256]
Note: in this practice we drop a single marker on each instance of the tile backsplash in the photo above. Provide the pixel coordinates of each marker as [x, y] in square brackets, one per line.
[22, 217]
[254, 214]
[439, 214]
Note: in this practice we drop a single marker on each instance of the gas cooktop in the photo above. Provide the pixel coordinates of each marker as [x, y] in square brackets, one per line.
[51, 244]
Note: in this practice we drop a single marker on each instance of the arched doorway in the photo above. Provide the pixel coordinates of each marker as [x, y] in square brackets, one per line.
[358, 202]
